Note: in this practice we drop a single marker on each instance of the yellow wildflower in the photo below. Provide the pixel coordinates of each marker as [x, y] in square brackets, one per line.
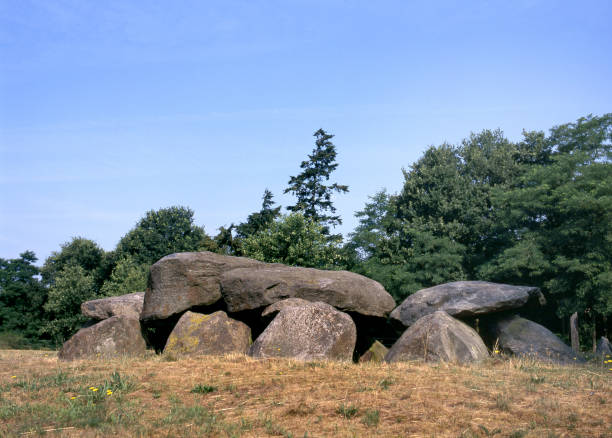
[73, 398]
[13, 377]
[109, 392]
[94, 389]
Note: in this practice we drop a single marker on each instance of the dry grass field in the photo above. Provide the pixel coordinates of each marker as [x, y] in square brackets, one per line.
[236, 396]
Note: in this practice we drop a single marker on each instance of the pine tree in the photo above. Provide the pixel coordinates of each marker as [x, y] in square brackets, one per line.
[313, 195]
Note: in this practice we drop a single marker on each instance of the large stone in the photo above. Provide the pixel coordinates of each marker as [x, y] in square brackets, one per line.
[214, 334]
[313, 332]
[438, 337]
[273, 309]
[115, 336]
[260, 286]
[129, 305]
[603, 348]
[184, 280]
[376, 353]
[464, 299]
[521, 337]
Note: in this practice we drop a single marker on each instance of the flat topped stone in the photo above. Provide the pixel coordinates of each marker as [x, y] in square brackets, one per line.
[464, 299]
[184, 280]
[259, 286]
[313, 332]
[124, 305]
[438, 337]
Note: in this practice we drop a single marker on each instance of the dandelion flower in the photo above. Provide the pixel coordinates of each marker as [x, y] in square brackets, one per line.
[109, 392]
[94, 389]
[13, 377]
[73, 398]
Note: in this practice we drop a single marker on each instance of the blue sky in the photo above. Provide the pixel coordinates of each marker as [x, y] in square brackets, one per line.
[110, 109]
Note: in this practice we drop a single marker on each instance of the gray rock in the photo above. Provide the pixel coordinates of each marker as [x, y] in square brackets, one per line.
[376, 353]
[438, 337]
[214, 334]
[603, 348]
[115, 336]
[313, 332]
[183, 280]
[273, 309]
[463, 299]
[259, 286]
[521, 337]
[129, 305]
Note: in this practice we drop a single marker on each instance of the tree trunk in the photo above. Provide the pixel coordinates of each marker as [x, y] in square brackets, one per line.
[574, 332]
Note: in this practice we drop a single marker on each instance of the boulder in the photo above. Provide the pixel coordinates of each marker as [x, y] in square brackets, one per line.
[521, 337]
[313, 332]
[129, 305]
[183, 280]
[199, 334]
[260, 286]
[115, 336]
[438, 337]
[603, 348]
[273, 309]
[464, 299]
[376, 353]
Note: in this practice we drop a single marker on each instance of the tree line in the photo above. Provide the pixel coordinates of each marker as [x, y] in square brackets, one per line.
[537, 212]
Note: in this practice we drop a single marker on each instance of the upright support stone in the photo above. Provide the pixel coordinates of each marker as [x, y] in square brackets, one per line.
[574, 332]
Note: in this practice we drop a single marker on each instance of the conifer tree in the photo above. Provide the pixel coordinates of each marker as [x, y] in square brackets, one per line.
[310, 188]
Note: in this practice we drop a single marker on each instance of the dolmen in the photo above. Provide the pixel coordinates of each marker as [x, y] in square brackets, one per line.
[203, 303]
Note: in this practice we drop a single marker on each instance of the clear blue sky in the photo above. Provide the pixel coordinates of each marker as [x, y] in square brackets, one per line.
[109, 109]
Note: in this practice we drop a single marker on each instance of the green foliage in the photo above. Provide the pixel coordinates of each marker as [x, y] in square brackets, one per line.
[78, 252]
[163, 232]
[313, 195]
[72, 286]
[259, 220]
[21, 299]
[293, 240]
[561, 215]
[127, 277]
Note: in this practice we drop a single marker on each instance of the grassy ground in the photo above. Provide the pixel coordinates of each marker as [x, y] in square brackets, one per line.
[237, 396]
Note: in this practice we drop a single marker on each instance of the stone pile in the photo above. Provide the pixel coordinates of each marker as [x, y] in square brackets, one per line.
[209, 304]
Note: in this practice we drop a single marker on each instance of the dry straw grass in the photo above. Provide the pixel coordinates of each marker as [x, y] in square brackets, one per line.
[236, 396]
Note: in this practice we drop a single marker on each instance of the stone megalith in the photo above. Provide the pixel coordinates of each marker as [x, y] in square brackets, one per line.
[464, 299]
[272, 310]
[115, 336]
[214, 334]
[521, 337]
[313, 332]
[180, 281]
[129, 305]
[260, 286]
[438, 337]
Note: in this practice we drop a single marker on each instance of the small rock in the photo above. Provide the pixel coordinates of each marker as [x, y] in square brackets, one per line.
[376, 353]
